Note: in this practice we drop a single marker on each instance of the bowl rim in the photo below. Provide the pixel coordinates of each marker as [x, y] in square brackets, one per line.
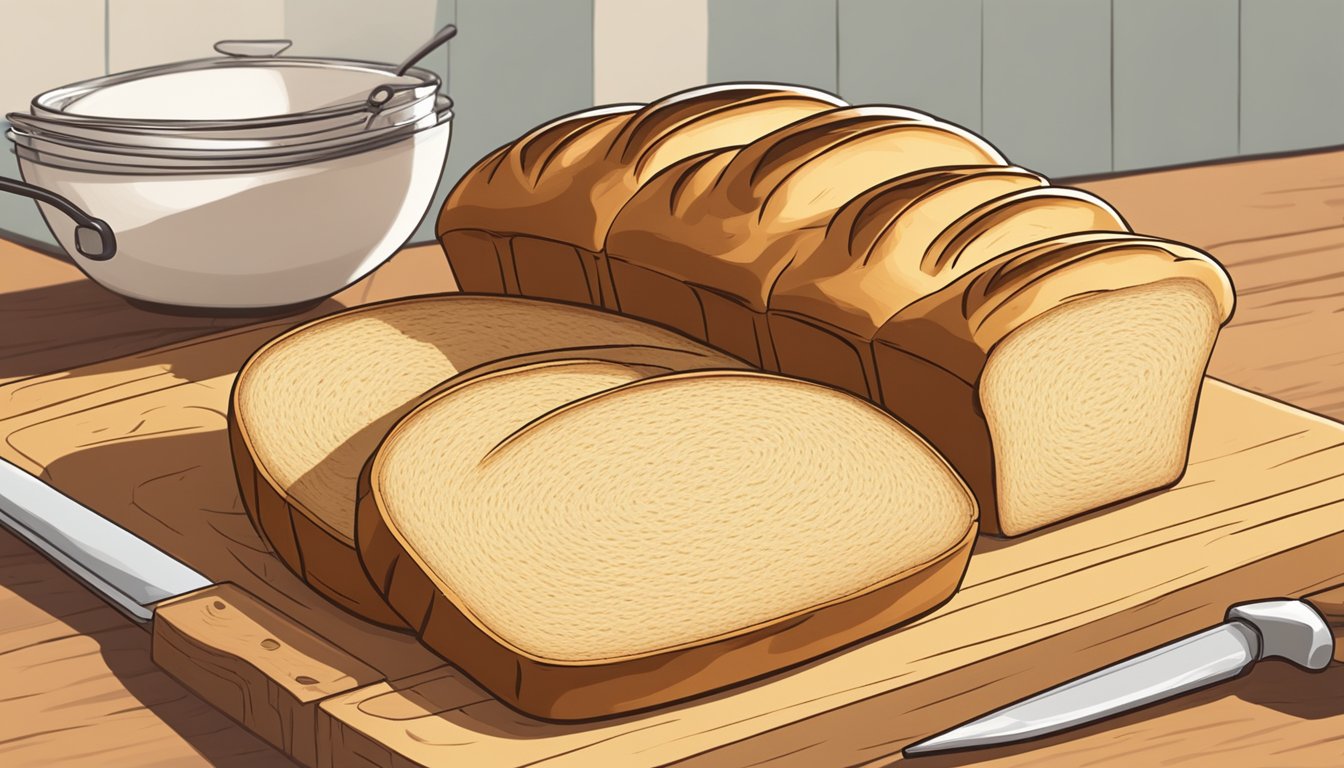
[22, 135]
[53, 102]
[26, 155]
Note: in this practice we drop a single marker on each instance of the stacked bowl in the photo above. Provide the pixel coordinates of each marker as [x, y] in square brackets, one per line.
[246, 181]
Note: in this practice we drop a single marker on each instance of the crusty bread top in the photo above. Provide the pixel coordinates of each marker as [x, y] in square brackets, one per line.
[580, 519]
[566, 180]
[963, 322]
[313, 403]
[870, 263]
[735, 219]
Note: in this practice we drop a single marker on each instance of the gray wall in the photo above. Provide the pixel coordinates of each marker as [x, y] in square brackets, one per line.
[1067, 87]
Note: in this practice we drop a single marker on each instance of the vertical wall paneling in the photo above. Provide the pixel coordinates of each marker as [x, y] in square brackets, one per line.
[1047, 83]
[1292, 74]
[385, 31]
[45, 44]
[644, 49]
[445, 12]
[915, 53]
[1175, 81]
[357, 29]
[515, 64]
[141, 33]
[48, 44]
[791, 41]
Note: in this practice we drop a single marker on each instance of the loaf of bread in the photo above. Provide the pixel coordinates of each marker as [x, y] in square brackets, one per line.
[308, 409]
[571, 176]
[586, 537]
[1050, 353]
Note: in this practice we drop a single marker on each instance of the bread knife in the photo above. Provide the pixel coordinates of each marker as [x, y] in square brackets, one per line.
[129, 572]
[1306, 632]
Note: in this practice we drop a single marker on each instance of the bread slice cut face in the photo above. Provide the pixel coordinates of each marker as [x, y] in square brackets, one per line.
[585, 540]
[309, 408]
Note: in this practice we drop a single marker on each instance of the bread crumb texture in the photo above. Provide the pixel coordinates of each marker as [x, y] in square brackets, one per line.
[316, 403]
[1092, 402]
[658, 513]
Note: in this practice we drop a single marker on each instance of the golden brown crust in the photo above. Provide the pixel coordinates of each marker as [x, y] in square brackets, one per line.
[729, 223]
[870, 265]
[532, 218]
[960, 324]
[565, 181]
[295, 538]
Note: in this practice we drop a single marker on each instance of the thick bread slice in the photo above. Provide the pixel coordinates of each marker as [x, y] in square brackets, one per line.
[539, 209]
[1064, 374]
[825, 309]
[308, 408]
[700, 246]
[583, 546]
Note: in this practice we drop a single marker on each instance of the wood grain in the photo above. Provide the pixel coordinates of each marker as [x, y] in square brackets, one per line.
[1278, 226]
[254, 664]
[94, 697]
[1264, 477]
[1259, 512]
[79, 688]
[55, 319]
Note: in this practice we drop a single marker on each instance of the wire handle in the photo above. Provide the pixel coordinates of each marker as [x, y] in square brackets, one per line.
[94, 238]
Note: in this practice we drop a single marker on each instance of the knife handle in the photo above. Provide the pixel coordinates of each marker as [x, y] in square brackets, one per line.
[1330, 603]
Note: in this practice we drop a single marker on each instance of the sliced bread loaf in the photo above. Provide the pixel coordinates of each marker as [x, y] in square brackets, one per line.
[308, 408]
[585, 540]
[841, 248]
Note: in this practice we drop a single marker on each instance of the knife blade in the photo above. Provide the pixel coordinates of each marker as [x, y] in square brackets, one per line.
[129, 572]
[1306, 632]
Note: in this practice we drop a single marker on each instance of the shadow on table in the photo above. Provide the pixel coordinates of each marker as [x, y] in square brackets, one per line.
[70, 324]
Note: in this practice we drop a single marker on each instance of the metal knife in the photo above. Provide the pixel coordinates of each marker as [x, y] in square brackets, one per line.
[1306, 632]
[132, 574]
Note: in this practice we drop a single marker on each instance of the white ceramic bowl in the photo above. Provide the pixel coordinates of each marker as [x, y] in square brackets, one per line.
[228, 92]
[255, 239]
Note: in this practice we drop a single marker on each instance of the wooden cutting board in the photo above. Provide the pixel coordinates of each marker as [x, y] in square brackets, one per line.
[1260, 513]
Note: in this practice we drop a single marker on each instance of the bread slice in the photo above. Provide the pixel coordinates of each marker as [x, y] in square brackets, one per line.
[532, 218]
[1070, 369]
[584, 541]
[700, 247]
[308, 408]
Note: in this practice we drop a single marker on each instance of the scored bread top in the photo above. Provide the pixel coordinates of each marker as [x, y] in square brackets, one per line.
[580, 516]
[566, 180]
[868, 264]
[964, 321]
[312, 405]
[913, 236]
[732, 220]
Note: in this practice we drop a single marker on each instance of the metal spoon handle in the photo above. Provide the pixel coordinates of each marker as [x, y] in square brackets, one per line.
[439, 38]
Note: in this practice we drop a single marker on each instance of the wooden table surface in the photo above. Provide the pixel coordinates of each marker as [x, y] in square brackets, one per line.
[1278, 225]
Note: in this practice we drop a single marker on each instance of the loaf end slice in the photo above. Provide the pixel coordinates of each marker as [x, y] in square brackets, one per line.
[583, 547]
[1085, 357]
